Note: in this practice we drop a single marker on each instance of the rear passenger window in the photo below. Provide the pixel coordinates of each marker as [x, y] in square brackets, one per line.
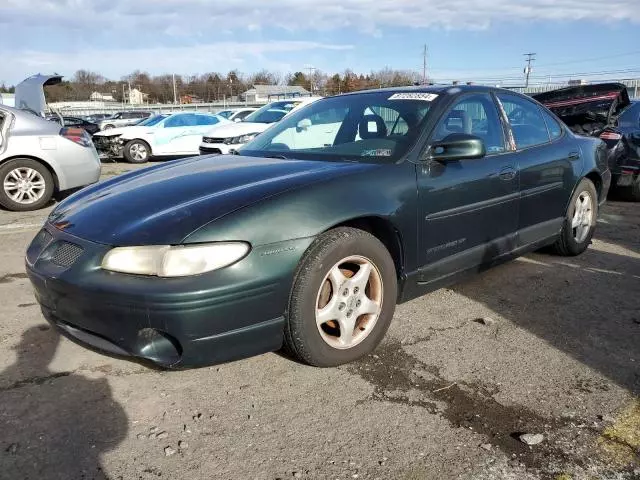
[555, 130]
[526, 121]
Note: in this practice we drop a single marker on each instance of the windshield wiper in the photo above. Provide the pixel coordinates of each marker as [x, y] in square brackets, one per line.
[276, 156]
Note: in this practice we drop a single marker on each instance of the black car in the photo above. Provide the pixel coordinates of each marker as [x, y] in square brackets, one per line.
[316, 228]
[76, 122]
[605, 111]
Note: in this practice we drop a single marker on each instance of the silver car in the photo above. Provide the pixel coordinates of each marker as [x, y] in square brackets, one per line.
[123, 119]
[37, 157]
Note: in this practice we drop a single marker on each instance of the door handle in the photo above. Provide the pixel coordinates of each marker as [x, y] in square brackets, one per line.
[573, 155]
[507, 173]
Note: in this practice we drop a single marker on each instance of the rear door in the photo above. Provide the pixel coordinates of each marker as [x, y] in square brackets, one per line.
[469, 207]
[547, 158]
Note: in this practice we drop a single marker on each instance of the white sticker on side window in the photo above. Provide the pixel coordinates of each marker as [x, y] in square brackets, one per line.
[426, 97]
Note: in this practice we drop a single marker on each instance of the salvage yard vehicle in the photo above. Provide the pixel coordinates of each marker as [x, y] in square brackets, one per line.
[108, 141]
[39, 158]
[236, 114]
[605, 111]
[123, 119]
[210, 259]
[227, 138]
[179, 134]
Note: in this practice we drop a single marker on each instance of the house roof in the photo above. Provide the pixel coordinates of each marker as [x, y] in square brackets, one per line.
[266, 90]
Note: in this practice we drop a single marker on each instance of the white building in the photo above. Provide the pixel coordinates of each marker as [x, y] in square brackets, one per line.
[101, 97]
[271, 93]
[136, 97]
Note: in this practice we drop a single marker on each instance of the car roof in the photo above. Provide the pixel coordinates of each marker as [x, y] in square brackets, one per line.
[437, 89]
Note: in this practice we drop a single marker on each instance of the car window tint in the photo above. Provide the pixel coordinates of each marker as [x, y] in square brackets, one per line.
[206, 120]
[526, 121]
[176, 121]
[477, 115]
[555, 130]
[241, 115]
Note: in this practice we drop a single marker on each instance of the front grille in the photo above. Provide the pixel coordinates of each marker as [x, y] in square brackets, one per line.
[38, 244]
[66, 254]
[212, 140]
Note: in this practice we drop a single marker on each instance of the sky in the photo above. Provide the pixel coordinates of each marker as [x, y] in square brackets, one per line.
[479, 40]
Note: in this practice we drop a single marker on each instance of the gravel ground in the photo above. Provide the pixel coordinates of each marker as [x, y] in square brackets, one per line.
[542, 345]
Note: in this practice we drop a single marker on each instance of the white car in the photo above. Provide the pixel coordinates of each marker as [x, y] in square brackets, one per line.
[39, 158]
[108, 141]
[177, 134]
[224, 139]
[236, 114]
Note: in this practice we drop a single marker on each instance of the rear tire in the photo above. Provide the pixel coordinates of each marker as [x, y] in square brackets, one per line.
[580, 221]
[342, 300]
[26, 185]
[137, 151]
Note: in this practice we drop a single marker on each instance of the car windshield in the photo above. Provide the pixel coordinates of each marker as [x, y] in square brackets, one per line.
[152, 120]
[272, 112]
[379, 127]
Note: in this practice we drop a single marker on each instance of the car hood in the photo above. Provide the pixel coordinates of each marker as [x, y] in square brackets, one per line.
[133, 130]
[599, 101]
[30, 92]
[232, 129]
[163, 204]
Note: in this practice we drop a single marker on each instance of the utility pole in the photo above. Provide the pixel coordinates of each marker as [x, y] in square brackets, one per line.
[424, 65]
[311, 70]
[527, 70]
[175, 93]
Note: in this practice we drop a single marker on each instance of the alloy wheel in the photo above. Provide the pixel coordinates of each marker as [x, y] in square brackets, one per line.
[138, 151]
[24, 185]
[349, 302]
[582, 217]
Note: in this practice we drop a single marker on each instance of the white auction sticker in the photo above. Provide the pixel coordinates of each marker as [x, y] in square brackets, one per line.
[426, 97]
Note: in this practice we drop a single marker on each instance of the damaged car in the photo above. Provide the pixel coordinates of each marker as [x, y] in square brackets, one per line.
[604, 111]
[108, 143]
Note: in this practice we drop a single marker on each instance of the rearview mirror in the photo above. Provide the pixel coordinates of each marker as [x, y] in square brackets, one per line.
[457, 146]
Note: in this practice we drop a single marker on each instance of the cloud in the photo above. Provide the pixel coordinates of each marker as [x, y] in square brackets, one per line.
[112, 63]
[300, 15]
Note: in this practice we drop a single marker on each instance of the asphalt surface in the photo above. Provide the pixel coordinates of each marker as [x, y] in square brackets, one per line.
[543, 345]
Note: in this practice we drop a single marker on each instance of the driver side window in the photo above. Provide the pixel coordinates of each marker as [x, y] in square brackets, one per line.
[477, 115]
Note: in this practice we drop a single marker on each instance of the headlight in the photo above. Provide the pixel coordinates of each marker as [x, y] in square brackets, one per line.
[177, 261]
[241, 139]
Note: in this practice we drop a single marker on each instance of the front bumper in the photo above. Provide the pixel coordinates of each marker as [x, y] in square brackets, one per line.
[217, 148]
[216, 317]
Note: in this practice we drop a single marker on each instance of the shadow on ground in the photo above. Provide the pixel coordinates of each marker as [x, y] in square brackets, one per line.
[54, 425]
[587, 307]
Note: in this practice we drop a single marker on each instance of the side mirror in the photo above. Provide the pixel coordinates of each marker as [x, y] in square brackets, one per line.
[457, 146]
[303, 125]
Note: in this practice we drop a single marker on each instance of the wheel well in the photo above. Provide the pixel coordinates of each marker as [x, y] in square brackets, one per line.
[56, 184]
[384, 231]
[597, 182]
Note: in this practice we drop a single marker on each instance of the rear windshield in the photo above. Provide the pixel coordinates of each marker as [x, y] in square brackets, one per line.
[380, 126]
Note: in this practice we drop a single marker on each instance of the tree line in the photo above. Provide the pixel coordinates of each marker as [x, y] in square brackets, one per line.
[214, 86]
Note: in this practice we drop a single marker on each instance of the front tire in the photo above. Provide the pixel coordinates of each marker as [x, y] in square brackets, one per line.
[137, 151]
[342, 300]
[580, 221]
[26, 185]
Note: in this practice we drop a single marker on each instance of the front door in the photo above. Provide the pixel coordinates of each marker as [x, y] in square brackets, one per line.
[468, 210]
